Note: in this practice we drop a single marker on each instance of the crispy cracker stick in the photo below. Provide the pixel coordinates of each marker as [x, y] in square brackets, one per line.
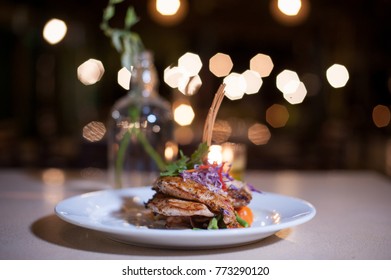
[211, 117]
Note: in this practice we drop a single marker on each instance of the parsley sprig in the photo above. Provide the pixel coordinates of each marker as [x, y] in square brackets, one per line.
[185, 163]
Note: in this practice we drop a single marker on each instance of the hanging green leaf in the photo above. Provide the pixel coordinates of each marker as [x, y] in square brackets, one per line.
[116, 40]
[108, 13]
[115, 1]
[130, 18]
[127, 43]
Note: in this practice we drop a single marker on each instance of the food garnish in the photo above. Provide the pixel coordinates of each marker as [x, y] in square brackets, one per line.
[184, 162]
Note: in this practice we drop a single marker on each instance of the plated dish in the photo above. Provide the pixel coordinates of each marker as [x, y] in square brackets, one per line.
[103, 211]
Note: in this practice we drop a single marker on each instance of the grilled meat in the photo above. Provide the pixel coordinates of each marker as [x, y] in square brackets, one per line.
[239, 193]
[170, 206]
[193, 191]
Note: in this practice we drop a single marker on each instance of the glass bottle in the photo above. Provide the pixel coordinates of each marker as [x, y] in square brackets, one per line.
[140, 125]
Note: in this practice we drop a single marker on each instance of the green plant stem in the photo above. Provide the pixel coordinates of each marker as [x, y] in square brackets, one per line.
[121, 158]
[134, 113]
[150, 150]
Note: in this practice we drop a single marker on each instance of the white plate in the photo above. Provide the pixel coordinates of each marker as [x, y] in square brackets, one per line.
[101, 211]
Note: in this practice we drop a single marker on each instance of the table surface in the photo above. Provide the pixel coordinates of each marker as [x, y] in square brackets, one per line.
[353, 219]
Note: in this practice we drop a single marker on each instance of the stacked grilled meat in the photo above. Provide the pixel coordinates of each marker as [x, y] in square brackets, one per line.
[185, 203]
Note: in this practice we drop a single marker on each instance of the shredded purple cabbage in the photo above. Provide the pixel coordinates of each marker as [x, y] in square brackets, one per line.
[209, 177]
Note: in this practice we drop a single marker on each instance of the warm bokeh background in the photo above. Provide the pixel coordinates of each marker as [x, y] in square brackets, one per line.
[44, 107]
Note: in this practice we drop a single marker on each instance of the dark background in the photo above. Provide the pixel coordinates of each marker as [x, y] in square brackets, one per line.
[43, 107]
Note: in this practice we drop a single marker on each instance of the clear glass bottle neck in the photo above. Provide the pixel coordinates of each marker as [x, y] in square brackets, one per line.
[144, 79]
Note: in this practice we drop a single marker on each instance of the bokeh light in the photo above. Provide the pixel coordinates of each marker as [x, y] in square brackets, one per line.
[381, 116]
[222, 130]
[123, 78]
[94, 131]
[54, 31]
[235, 86]
[220, 64]
[185, 76]
[90, 72]
[287, 81]
[277, 115]
[262, 64]
[235, 155]
[259, 134]
[228, 153]
[337, 75]
[171, 151]
[168, 12]
[215, 154]
[54, 180]
[173, 76]
[253, 81]
[190, 63]
[297, 96]
[168, 7]
[190, 86]
[289, 7]
[53, 177]
[290, 12]
[184, 114]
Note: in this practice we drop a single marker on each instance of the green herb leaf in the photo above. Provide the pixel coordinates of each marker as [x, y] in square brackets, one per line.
[198, 156]
[130, 18]
[174, 168]
[108, 13]
[184, 162]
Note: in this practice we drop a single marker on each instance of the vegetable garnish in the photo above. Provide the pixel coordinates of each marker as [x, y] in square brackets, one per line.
[216, 223]
[210, 175]
[185, 163]
[242, 222]
[246, 214]
[213, 224]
